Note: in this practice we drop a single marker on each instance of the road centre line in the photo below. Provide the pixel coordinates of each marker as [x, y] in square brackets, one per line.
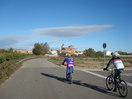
[101, 76]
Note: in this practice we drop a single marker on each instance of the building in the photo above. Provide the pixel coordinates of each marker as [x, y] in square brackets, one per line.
[23, 51]
[116, 53]
[108, 53]
[70, 49]
[78, 53]
[53, 52]
[65, 50]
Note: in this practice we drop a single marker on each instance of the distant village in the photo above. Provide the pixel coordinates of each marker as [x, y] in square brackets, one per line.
[64, 50]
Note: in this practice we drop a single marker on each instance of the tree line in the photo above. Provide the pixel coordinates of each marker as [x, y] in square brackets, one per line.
[43, 48]
[92, 53]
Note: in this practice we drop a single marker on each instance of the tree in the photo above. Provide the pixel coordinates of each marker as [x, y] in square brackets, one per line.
[45, 47]
[40, 48]
[99, 54]
[11, 50]
[89, 52]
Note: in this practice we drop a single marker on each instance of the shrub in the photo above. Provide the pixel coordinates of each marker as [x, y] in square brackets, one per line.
[99, 54]
[2, 59]
[10, 55]
[90, 52]
[40, 48]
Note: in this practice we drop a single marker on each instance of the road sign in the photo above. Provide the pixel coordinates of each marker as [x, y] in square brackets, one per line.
[104, 45]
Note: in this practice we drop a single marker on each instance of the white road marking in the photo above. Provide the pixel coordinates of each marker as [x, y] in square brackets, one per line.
[101, 76]
[98, 75]
[127, 74]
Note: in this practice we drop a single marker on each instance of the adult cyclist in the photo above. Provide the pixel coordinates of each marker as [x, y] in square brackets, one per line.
[69, 63]
[117, 62]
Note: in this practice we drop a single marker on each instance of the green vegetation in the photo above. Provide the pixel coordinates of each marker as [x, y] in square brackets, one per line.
[92, 53]
[6, 69]
[40, 48]
[11, 56]
[123, 53]
[8, 60]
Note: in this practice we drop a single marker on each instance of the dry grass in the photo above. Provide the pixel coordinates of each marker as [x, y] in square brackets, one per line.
[91, 62]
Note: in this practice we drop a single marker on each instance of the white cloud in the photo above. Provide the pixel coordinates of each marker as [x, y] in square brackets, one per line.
[22, 41]
[70, 31]
[9, 41]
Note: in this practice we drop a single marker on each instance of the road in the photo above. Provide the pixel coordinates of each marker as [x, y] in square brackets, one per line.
[40, 79]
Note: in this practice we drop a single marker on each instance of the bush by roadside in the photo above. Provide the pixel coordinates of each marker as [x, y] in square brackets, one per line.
[6, 69]
[8, 60]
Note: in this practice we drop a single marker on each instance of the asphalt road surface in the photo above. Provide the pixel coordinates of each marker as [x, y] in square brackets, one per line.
[40, 79]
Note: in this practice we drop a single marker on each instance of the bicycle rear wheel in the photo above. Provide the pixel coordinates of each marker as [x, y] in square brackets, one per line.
[70, 75]
[109, 82]
[122, 88]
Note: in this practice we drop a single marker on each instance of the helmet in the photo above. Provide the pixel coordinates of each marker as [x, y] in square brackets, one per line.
[69, 55]
[113, 54]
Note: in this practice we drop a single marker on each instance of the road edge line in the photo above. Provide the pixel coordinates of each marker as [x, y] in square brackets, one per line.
[101, 76]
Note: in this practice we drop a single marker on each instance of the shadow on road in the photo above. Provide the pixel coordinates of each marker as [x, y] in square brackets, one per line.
[78, 82]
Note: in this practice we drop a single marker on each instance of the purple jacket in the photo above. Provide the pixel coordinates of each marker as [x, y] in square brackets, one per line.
[69, 61]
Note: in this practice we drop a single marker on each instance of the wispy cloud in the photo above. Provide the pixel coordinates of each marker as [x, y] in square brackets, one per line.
[70, 31]
[57, 32]
[9, 41]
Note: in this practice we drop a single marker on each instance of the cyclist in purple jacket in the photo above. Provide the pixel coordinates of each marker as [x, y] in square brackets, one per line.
[70, 63]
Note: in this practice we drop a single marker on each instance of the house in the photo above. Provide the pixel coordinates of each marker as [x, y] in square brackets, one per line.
[23, 51]
[70, 49]
[108, 53]
[53, 52]
[116, 53]
[78, 53]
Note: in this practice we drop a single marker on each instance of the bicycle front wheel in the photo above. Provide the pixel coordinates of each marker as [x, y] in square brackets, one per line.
[109, 83]
[122, 88]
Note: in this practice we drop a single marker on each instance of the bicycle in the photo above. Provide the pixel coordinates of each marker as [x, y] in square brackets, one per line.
[70, 75]
[121, 84]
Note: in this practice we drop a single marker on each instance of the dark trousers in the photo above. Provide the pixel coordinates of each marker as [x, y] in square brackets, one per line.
[116, 75]
[67, 72]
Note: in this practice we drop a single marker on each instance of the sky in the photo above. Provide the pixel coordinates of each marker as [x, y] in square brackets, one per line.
[82, 23]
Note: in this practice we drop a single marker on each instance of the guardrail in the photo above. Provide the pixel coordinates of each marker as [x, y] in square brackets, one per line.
[25, 59]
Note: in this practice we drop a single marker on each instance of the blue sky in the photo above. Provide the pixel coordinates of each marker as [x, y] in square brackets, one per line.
[82, 23]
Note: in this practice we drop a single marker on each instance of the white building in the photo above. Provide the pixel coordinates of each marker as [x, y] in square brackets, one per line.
[117, 54]
[53, 52]
[108, 53]
[78, 53]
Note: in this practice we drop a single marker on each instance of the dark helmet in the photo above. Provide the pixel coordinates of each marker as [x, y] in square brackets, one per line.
[113, 54]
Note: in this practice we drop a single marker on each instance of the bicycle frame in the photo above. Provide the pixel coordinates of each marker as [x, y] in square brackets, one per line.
[70, 75]
[121, 84]
[113, 72]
